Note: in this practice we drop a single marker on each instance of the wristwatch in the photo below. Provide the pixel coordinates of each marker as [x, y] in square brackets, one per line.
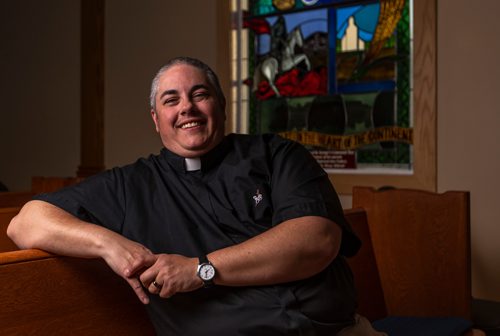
[206, 271]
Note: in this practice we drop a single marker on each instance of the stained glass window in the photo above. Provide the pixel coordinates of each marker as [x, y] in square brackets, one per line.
[334, 75]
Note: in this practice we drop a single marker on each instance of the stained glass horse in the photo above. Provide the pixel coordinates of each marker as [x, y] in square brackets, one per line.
[271, 66]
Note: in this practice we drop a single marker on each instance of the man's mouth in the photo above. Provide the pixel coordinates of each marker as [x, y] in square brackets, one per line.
[190, 125]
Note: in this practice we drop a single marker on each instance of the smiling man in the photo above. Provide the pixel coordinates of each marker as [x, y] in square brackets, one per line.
[187, 110]
[228, 235]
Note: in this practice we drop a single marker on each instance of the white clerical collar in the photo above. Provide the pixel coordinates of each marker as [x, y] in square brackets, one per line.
[192, 164]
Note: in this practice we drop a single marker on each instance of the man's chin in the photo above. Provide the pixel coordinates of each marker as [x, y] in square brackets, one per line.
[190, 151]
[195, 147]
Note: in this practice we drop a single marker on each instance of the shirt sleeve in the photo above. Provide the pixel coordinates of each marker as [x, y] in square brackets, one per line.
[300, 187]
[98, 199]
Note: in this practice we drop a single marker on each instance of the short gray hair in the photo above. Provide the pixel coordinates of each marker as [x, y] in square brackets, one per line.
[213, 80]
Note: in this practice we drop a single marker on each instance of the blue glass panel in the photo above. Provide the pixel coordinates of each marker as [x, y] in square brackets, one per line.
[366, 18]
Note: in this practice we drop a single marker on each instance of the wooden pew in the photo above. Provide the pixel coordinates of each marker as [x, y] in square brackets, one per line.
[388, 231]
[10, 199]
[6, 214]
[371, 302]
[43, 184]
[39, 184]
[421, 241]
[43, 294]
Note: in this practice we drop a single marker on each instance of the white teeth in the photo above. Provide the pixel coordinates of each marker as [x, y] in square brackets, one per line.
[190, 124]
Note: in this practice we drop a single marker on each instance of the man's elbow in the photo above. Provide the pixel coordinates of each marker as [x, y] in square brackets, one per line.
[19, 229]
[327, 254]
[336, 240]
[327, 245]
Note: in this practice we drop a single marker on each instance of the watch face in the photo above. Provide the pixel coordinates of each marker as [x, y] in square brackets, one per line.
[207, 272]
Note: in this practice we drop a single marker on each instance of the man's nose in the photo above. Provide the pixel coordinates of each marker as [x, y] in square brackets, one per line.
[186, 107]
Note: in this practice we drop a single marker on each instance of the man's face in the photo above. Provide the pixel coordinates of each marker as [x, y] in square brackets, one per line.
[188, 117]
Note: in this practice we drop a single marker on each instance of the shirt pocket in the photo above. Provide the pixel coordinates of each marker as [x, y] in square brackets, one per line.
[248, 210]
[258, 204]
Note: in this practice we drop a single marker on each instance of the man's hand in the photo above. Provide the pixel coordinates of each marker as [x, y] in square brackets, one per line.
[171, 274]
[129, 259]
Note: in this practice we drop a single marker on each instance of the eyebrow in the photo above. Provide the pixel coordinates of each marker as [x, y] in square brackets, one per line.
[194, 88]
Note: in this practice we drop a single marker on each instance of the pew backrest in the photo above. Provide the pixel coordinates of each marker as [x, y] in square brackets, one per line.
[43, 294]
[43, 184]
[371, 302]
[421, 241]
[10, 199]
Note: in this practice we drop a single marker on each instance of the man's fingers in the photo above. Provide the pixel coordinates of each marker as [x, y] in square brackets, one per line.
[138, 265]
[155, 287]
[138, 289]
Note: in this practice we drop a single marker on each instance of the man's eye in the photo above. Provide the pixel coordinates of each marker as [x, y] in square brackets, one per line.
[170, 101]
[200, 96]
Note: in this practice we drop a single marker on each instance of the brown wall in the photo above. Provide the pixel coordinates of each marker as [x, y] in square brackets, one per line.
[140, 37]
[39, 89]
[469, 125]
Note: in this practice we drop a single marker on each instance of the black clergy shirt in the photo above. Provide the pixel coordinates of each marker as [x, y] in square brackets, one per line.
[246, 185]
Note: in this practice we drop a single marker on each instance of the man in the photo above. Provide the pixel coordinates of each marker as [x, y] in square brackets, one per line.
[235, 235]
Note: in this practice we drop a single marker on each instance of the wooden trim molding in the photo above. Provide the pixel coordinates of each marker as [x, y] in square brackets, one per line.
[92, 88]
[223, 61]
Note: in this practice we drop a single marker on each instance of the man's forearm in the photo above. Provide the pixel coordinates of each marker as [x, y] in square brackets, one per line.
[293, 250]
[44, 226]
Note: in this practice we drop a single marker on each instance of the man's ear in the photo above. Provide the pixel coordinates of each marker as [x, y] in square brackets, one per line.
[154, 116]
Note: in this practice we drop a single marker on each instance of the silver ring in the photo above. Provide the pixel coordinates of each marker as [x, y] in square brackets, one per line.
[156, 284]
